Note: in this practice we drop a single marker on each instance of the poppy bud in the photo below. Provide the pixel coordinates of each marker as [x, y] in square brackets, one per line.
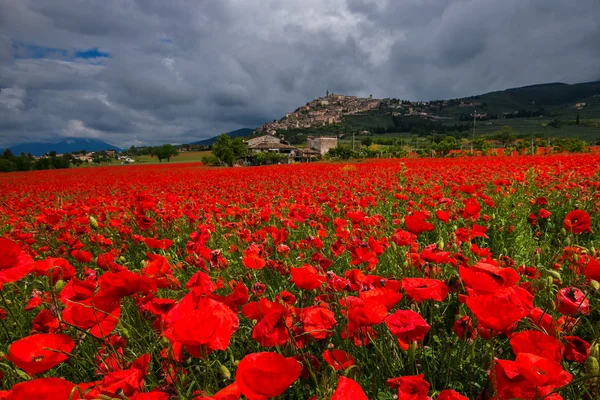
[542, 284]
[595, 351]
[59, 284]
[121, 259]
[93, 222]
[441, 244]
[568, 241]
[591, 366]
[8, 302]
[563, 231]
[594, 285]
[125, 332]
[550, 281]
[576, 257]
[225, 374]
[555, 275]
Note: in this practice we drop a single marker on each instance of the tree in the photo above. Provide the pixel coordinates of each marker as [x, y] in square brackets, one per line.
[165, 152]
[577, 120]
[506, 135]
[367, 141]
[228, 150]
[446, 145]
[481, 144]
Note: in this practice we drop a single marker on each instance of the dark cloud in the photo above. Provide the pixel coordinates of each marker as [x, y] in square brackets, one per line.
[154, 71]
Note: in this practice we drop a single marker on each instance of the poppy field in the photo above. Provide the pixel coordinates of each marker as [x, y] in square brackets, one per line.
[413, 279]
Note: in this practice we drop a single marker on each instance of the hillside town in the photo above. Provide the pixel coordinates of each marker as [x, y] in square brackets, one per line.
[320, 112]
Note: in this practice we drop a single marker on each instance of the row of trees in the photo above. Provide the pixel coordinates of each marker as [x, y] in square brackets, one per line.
[26, 162]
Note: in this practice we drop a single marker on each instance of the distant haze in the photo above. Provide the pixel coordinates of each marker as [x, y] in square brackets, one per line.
[133, 72]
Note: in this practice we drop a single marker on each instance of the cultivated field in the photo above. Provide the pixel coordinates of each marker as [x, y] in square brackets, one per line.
[463, 278]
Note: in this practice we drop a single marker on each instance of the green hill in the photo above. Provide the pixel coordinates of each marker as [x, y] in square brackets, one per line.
[546, 110]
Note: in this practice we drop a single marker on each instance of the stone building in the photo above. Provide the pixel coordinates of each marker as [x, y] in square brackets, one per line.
[321, 144]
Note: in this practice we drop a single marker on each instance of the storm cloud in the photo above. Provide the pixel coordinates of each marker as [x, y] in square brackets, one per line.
[137, 72]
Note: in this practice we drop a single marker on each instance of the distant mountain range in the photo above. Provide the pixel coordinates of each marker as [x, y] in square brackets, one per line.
[233, 134]
[67, 145]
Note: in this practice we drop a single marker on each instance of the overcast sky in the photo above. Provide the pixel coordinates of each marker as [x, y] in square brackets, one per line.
[155, 71]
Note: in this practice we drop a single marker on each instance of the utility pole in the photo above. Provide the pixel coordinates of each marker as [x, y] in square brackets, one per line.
[473, 140]
[531, 146]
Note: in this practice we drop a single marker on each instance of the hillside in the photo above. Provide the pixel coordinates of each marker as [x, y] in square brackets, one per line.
[67, 145]
[243, 132]
[545, 110]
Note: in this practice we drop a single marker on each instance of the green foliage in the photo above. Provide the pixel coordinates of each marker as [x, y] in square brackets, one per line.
[209, 159]
[228, 150]
[481, 144]
[367, 141]
[266, 158]
[165, 152]
[446, 145]
[571, 145]
[341, 153]
[506, 135]
[22, 162]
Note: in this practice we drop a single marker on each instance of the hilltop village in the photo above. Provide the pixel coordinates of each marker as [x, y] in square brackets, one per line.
[321, 111]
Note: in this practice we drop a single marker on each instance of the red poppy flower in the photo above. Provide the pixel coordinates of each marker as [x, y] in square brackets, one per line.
[338, 359]
[449, 394]
[231, 392]
[116, 285]
[347, 389]
[540, 371]
[273, 328]
[578, 221]
[307, 277]
[57, 268]
[38, 353]
[576, 349]
[388, 297]
[317, 321]
[263, 375]
[44, 322]
[463, 327]
[82, 256]
[127, 382]
[14, 264]
[210, 326]
[537, 343]
[44, 389]
[421, 289]
[571, 301]
[100, 316]
[442, 216]
[252, 258]
[163, 244]
[500, 311]
[158, 269]
[363, 313]
[407, 326]
[416, 223]
[592, 269]
[410, 387]
[543, 320]
[486, 278]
